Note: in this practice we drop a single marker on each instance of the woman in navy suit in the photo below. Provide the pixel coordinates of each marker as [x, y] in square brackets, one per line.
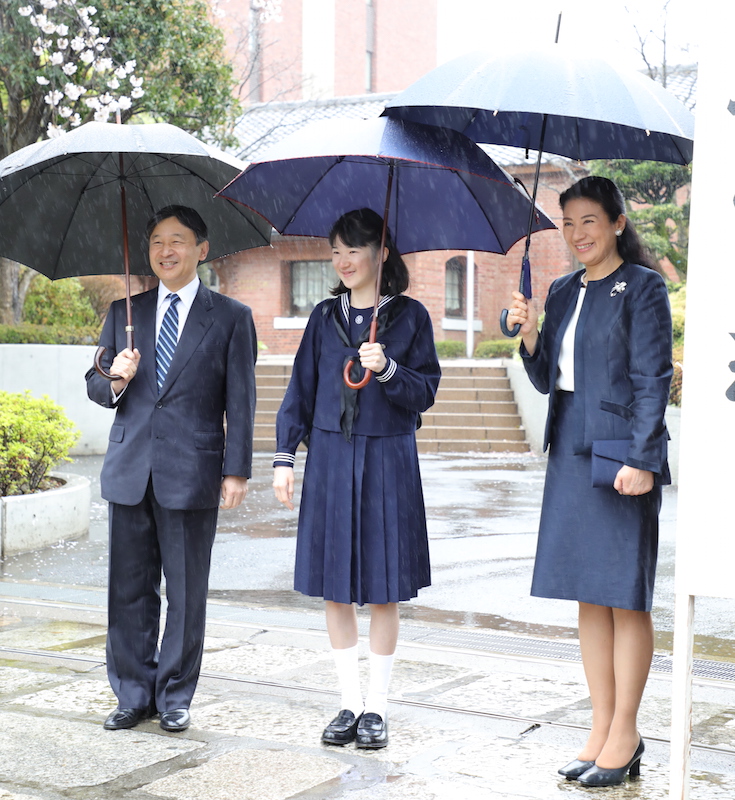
[603, 356]
[362, 525]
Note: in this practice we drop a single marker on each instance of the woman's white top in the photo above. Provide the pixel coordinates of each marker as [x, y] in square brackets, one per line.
[565, 376]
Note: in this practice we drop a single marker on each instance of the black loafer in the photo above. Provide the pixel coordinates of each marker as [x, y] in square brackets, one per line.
[122, 718]
[372, 732]
[176, 720]
[342, 729]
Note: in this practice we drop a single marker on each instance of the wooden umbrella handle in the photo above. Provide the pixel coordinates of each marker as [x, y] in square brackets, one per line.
[378, 281]
[130, 343]
[368, 372]
[129, 338]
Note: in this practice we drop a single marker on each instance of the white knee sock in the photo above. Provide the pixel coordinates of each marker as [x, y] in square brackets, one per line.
[348, 677]
[377, 697]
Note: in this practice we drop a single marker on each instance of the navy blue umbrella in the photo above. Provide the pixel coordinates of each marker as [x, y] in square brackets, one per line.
[551, 99]
[435, 188]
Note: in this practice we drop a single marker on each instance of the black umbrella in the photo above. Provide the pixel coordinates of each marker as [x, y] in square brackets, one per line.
[69, 205]
[551, 100]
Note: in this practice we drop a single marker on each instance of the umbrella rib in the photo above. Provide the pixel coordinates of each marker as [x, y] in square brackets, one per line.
[308, 194]
[73, 211]
[490, 223]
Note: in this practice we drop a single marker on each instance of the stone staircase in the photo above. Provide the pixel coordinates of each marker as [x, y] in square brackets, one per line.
[474, 410]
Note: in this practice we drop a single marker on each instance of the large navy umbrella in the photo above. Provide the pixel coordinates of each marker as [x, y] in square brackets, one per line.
[551, 99]
[434, 187]
[69, 205]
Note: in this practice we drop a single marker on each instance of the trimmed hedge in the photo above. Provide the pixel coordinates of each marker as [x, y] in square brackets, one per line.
[496, 348]
[451, 348]
[25, 333]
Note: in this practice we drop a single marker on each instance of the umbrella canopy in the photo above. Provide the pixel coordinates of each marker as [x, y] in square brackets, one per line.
[594, 109]
[60, 206]
[446, 193]
[551, 100]
[436, 188]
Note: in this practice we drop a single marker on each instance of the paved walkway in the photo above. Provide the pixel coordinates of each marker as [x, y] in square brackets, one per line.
[475, 714]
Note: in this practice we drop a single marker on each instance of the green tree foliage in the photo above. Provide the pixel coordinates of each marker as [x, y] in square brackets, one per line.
[662, 223]
[35, 434]
[61, 302]
[179, 52]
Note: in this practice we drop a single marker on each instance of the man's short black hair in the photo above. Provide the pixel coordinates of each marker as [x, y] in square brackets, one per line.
[185, 215]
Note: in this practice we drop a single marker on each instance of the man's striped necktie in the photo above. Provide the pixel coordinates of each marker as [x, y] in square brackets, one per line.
[168, 338]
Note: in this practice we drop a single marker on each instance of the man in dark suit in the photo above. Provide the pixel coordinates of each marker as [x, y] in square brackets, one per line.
[169, 466]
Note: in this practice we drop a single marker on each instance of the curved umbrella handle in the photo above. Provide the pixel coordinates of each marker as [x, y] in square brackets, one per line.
[98, 365]
[509, 332]
[346, 375]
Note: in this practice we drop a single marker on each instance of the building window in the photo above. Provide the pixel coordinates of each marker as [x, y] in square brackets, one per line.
[454, 287]
[310, 284]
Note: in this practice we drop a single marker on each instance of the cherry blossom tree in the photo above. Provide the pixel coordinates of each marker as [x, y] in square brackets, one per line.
[76, 66]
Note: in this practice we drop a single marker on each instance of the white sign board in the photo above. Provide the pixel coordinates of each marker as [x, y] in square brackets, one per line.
[705, 541]
[705, 546]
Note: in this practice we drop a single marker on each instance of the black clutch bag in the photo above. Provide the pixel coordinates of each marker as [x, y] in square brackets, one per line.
[608, 456]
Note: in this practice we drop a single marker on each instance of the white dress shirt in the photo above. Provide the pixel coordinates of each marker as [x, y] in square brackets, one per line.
[565, 375]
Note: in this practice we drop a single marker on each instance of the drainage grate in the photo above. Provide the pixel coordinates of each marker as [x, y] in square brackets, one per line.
[463, 638]
[545, 648]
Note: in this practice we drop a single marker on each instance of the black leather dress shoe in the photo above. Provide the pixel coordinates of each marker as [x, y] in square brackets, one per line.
[372, 732]
[575, 768]
[122, 718]
[176, 720]
[342, 729]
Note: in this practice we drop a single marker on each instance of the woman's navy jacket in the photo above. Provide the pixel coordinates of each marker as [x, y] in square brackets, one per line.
[391, 402]
[622, 361]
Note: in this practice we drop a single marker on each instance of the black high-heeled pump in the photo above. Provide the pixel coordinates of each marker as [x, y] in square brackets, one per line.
[597, 776]
[575, 768]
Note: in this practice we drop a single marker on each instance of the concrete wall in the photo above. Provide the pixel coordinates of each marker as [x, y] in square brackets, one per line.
[58, 371]
[532, 407]
[34, 521]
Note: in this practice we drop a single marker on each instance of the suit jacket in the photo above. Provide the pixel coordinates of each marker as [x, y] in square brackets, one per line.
[177, 438]
[622, 361]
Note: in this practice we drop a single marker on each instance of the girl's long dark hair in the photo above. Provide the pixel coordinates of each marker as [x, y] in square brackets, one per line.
[362, 228]
[607, 194]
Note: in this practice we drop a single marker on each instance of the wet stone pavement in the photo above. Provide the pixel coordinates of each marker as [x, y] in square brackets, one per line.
[487, 700]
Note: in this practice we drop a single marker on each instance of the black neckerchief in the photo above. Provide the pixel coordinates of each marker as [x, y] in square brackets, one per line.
[348, 401]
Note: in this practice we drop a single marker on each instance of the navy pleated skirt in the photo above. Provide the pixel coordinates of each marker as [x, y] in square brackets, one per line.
[362, 525]
[594, 545]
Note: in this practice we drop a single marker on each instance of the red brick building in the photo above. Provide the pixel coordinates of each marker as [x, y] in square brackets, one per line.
[334, 58]
[331, 48]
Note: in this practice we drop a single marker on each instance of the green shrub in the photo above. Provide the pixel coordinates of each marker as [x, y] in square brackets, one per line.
[34, 435]
[678, 299]
[451, 348]
[49, 334]
[678, 377]
[61, 302]
[496, 348]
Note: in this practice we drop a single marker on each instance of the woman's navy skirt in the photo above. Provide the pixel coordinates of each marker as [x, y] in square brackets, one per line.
[594, 545]
[362, 524]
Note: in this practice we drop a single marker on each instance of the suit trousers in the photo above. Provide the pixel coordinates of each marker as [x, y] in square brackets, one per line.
[146, 539]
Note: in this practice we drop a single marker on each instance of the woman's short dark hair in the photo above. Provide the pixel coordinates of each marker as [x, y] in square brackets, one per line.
[607, 194]
[185, 215]
[361, 228]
